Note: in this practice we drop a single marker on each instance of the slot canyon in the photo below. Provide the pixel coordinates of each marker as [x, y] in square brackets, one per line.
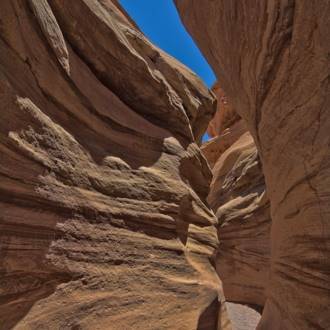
[116, 214]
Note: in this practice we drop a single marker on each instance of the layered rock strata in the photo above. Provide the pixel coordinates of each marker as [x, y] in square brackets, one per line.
[272, 60]
[103, 219]
[239, 199]
[241, 204]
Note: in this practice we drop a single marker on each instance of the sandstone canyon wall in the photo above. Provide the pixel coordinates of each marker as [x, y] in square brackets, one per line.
[272, 60]
[239, 199]
[225, 127]
[103, 216]
[225, 116]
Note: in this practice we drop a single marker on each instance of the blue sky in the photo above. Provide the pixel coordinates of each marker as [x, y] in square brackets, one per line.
[159, 21]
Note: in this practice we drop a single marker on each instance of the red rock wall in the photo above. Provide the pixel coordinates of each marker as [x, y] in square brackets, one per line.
[226, 116]
[103, 215]
[239, 199]
[272, 60]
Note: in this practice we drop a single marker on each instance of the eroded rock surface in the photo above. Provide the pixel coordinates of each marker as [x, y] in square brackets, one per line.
[239, 199]
[225, 117]
[226, 127]
[103, 221]
[272, 60]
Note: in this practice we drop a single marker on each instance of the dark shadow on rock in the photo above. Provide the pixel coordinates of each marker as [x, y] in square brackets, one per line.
[208, 320]
[25, 274]
[30, 288]
[194, 169]
[182, 231]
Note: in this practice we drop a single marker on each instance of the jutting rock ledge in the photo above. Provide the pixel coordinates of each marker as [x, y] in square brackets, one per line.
[104, 222]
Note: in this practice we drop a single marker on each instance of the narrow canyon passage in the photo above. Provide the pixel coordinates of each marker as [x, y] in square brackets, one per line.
[114, 214]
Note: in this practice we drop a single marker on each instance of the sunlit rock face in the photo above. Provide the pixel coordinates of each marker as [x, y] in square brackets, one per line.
[103, 216]
[225, 128]
[272, 60]
[239, 199]
[225, 116]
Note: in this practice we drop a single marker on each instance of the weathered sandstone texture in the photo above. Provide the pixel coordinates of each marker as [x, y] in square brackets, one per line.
[272, 60]
[238, 198]
[103, 216]
[225, 116]
[226, 127]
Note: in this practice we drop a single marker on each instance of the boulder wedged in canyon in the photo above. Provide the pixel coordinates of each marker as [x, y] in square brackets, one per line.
[272, 60]
[103, 220]
[238, 198]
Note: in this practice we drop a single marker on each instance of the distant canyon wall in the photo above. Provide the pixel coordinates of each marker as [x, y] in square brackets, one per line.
[239, 199]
